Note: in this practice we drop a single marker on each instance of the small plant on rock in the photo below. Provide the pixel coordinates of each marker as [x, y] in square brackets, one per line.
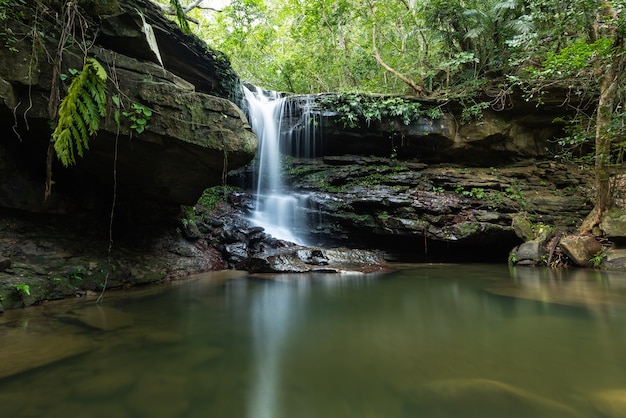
[596, 260]
[139, 116]
[22, 289]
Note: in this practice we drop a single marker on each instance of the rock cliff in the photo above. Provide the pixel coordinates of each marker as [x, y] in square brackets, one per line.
[110, 220]
[194, 134]
[435, 188]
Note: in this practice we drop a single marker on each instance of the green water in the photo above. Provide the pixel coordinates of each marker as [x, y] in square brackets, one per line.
[425, 341]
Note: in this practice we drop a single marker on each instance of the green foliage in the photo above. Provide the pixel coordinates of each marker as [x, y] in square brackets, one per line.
[78, 275]
[383, 216]
[80, 112]
[212, 196]
[180, 16]
[23, 289]
[512, 258]
[474, 112]
[139, 116]
[355, 108]
[572, 59]
[597, 259]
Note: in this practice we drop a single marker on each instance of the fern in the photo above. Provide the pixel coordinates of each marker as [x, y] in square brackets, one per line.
[80, 112]
[180, 16]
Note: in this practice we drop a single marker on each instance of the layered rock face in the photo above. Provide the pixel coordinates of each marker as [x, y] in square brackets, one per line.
[434, 189]
[110, 220]
[194, 135]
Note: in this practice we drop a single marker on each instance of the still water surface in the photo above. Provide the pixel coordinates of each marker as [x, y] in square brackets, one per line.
[425, 341]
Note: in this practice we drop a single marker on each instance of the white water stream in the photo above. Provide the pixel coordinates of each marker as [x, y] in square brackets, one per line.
[277, 211]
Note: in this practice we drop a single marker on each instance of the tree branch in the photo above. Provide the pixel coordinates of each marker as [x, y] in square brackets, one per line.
[169, 11]
[419, 90]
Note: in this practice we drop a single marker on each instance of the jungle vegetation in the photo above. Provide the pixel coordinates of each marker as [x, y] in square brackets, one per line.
[463, 50]
[446, 49]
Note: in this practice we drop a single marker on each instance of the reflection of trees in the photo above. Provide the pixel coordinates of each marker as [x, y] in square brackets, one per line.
[598, 291]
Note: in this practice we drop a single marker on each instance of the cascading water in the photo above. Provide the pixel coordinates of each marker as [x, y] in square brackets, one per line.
[279, 212]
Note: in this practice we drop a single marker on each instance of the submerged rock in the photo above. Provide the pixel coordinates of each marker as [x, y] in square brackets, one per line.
[103, 318]
[22, 350]
[611, 403]
[479, 398]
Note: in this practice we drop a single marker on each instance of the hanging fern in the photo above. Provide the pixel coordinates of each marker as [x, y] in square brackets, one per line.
[180, 16]
[80, 112]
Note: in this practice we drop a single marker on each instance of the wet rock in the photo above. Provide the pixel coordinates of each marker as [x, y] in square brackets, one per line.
[529, 253]
[580, 248]
[309, 259]
[615, 259]
[181, 152]
[103, 318]
[523, 227]
[479, 398]
[614, 225]
[191, 231]
[5, 263]
[610, 403]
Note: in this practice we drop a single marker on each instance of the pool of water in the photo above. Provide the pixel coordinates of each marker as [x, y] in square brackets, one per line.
[424, 341]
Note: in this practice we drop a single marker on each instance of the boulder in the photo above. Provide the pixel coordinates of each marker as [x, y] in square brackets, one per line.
[530, 253]
[615, 259]
[299, 259]
[580, 248]
[614, 225]
[193, 136]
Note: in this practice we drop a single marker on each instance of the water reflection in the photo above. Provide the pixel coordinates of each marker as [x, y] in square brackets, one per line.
[602, 293]
[428, 341]
[277, 310]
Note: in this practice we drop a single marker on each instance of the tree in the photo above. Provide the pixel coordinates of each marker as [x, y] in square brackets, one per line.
[610, 72]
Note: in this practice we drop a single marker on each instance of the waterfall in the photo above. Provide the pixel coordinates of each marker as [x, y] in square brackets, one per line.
[280, 212]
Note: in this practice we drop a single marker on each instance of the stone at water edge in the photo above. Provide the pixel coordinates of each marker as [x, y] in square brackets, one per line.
[302, 259]
[615, 259]
[580, 248]
[614, 224]
[529, 253]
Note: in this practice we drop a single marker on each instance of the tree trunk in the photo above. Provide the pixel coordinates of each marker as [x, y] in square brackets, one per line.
[609, 83]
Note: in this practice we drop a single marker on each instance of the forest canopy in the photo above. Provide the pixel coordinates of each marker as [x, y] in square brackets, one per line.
[407, 46]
